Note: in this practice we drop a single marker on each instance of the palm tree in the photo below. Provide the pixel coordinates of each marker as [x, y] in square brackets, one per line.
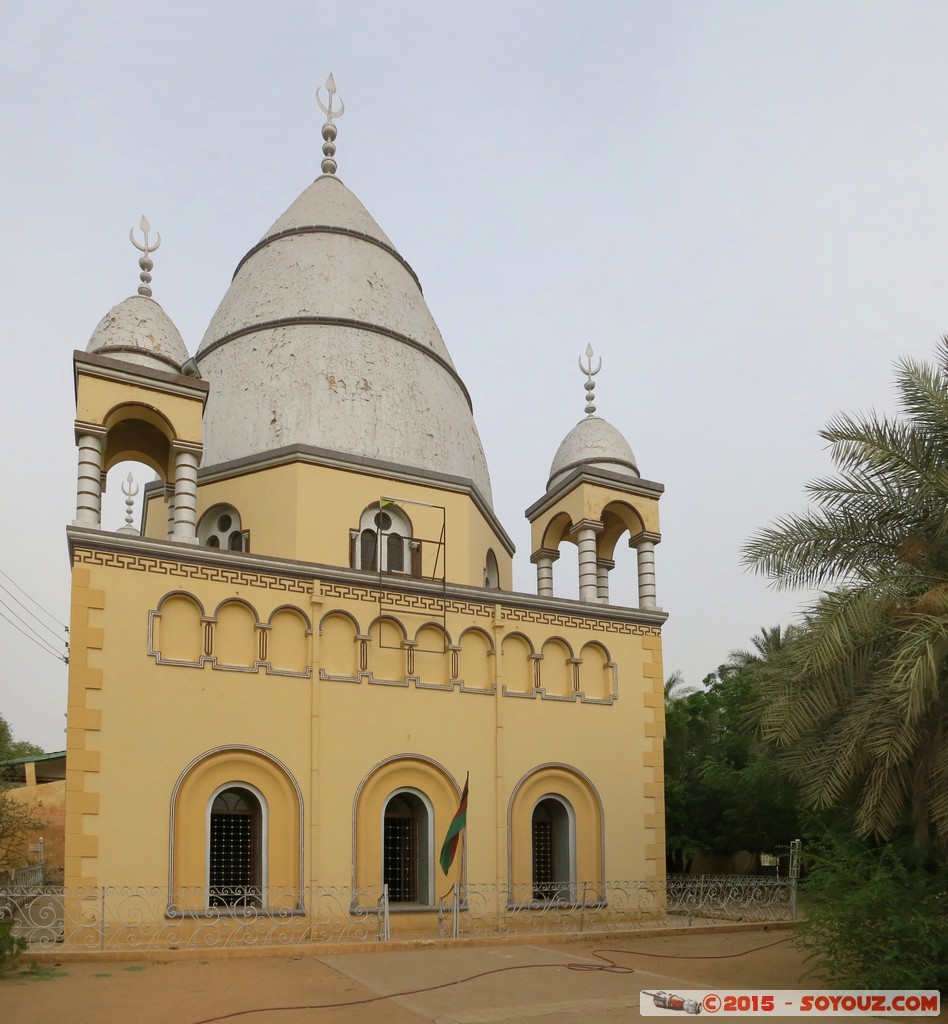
[860, 698]
[676, 689]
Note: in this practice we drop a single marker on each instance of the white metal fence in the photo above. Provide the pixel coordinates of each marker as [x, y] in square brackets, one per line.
[144, 918]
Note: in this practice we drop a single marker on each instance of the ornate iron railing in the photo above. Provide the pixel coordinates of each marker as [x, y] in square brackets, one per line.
[732, 897]
[143, 917]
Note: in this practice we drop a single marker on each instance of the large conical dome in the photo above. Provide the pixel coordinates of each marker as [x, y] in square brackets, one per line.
[324, 339]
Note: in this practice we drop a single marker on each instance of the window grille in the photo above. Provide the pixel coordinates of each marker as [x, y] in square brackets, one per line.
[234, 850]
[544, 860]
[400, 852]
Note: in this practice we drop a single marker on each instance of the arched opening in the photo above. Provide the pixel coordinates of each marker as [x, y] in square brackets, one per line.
[620, 523]
[236, 824]
[564, 843]
[407, 847]
[123, 499]
[491, 571]
[553, 838]
[220, 528]
[383, 540]
[566, 571]
[273, 839]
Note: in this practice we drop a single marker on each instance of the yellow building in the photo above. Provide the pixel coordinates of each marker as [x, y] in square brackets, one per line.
[280, 684]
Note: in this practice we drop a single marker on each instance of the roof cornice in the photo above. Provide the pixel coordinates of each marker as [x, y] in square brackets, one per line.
[601, 477]
[314, 456]
[151, 378]
[188, 554]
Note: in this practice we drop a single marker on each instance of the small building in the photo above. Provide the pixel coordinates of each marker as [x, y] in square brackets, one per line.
[39, 782]
[278, 686]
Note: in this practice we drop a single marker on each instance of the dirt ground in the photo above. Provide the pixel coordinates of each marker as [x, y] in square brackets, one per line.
[557, 983]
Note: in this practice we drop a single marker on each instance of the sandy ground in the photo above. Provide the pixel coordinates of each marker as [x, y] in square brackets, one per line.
[555, 983]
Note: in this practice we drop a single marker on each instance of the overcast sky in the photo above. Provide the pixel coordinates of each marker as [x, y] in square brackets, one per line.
[741, 206]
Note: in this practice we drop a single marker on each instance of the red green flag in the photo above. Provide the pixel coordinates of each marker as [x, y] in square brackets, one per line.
[458, 824]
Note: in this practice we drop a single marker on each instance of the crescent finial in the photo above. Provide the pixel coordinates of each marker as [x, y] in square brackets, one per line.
[328, 165]
[590, 372]
[147, 248]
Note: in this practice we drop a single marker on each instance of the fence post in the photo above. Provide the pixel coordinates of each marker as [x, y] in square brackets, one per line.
[102, 917]
[385, 932]
[455, 912]
[794, 873]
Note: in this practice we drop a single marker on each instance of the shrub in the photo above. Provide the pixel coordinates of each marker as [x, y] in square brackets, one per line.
[10, 946]
[876, 916]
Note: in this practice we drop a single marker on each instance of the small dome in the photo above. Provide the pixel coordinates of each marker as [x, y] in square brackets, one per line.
[594, 444]
[139, 331]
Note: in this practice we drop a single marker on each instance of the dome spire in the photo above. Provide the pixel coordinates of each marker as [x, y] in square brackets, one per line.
[590, 383]
[145, 262]
[329, 129]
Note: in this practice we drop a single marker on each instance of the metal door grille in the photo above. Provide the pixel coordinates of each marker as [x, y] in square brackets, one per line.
[544, 866]
[400, 867]
[233, 859]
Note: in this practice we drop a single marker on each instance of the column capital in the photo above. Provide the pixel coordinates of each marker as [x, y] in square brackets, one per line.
[84, 429]
[606, 563]
[586, 524]
[653, 538]
[192, 447]
[548, 554]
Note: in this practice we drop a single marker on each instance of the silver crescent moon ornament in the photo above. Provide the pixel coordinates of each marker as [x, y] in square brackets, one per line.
[590, 372]
[146, 248]
[330, 111]
[587, 368]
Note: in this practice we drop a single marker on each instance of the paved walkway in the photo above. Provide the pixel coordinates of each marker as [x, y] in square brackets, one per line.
[547, 982]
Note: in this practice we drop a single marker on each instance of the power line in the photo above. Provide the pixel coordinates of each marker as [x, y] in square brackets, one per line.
[39, 636]
[49, 615]
[39, 642]
[55, 632]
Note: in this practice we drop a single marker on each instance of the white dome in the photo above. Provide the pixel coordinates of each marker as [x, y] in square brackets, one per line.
[592, 444]
[324, 339]
[139, 331]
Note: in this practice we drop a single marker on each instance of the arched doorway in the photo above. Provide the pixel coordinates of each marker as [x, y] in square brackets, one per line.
[235, 848]
[554, 859]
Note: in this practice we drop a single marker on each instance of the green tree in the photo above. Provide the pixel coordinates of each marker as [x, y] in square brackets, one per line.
[17, 821]
[10, 749]
[876, 914]
[724, 792]
[17, 825]
[860, 705]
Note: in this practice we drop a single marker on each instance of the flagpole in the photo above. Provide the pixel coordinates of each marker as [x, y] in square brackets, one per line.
[463, 848]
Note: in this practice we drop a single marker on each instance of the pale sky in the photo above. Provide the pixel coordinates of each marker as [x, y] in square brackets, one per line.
[741, 206]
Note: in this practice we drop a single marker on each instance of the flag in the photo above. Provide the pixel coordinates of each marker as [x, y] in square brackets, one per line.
[458, 824]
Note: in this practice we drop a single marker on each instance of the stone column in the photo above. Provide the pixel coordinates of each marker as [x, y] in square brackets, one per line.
[89, 479]
[585, 533]
[603, 567]
[644, 546]
[185, 495]
[543, 560]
